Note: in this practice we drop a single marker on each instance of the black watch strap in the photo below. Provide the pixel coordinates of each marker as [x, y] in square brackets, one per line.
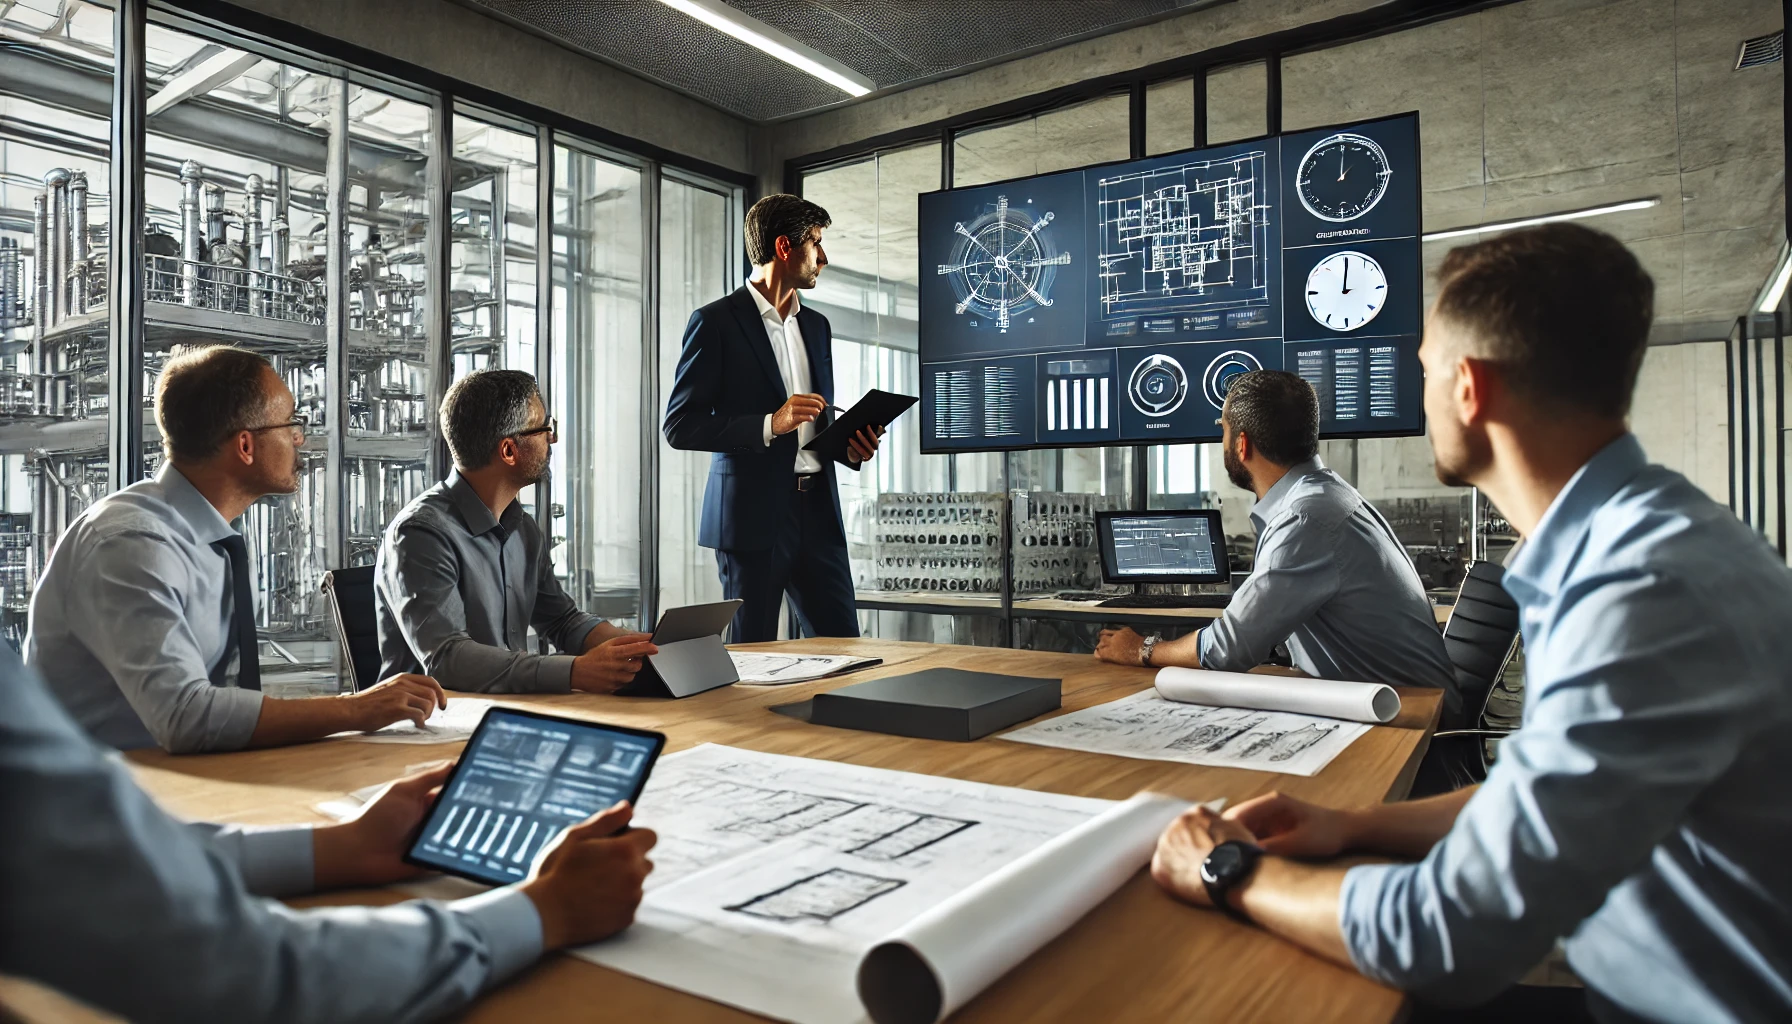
[1227, 871]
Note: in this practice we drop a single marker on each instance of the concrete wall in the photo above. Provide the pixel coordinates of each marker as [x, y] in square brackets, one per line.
[468, 46]
[1680, 414]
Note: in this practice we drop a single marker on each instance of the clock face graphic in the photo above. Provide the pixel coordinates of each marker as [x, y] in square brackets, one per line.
[1346, 290]
[1342, 177]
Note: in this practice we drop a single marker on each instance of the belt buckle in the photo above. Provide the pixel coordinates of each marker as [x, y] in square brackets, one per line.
[805, 481]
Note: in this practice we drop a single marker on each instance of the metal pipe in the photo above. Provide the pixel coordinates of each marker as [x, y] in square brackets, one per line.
[9, 282]
[281, 232]
[252, 222]
[260, 302]
[56, 182]
[214, 216]
[40, 270]
[191, 244]
[79, 258]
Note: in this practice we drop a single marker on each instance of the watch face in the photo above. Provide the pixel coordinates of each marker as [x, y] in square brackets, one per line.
[1223, 863]
[1346, 290]
[1342, 177]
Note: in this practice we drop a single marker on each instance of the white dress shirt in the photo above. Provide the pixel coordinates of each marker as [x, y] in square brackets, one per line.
[793, 365]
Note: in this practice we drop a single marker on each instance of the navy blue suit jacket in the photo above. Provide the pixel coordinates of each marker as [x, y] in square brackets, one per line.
[727, 382]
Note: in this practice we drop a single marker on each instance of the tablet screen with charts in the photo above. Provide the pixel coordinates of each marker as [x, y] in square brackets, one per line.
[523, 779]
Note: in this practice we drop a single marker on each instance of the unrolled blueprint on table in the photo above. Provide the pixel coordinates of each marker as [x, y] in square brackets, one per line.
[774, 875]
[1144, 725]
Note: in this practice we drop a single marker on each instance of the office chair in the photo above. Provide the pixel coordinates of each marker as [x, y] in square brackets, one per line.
[1480, 637]
[351, 604]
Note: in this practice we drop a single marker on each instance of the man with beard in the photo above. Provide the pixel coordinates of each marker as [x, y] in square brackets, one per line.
[464, 570]
[1641, 811]
[143, 624]
[1330, 577]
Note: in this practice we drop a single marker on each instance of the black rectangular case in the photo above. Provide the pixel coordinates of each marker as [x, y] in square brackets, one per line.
[938, 704]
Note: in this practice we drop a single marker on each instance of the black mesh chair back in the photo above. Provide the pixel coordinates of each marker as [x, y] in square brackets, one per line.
[1480, 637]
[357, 628]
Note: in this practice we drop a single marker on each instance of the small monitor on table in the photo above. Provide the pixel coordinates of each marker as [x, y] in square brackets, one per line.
[1181, 546]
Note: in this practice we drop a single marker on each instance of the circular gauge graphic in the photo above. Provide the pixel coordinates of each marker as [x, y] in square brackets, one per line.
[1345, 290]
[1003, 263]
[1157, 386]
[1342, 177]
[1220, 372]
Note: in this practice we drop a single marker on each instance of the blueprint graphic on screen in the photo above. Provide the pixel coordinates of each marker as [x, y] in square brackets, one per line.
[1186, 238]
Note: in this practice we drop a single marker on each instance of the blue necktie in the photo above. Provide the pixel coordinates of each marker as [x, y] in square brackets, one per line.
[242, 619]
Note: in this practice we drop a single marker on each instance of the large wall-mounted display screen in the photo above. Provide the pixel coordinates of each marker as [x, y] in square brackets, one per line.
[1114, 304]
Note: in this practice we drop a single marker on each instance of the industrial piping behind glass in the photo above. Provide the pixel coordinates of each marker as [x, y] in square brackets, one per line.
[213, 282]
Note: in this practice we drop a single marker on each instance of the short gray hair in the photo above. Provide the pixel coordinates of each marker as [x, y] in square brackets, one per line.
[482, 409]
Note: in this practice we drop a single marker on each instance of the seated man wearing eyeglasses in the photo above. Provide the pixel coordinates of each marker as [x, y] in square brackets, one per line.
[143, 623]
[464, 571]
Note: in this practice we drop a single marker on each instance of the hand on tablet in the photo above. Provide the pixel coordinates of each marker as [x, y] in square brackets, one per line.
[863, 443]
[587, 884]
[612, 664]
[369, 848]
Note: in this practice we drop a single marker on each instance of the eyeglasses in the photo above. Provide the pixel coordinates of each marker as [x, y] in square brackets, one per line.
[298, 425]
[550, 428]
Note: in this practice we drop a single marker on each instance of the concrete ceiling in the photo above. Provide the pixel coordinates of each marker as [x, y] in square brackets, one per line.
[893, 44]
[1532, 108]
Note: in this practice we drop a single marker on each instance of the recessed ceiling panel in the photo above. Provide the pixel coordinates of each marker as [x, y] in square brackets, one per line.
[893, 44]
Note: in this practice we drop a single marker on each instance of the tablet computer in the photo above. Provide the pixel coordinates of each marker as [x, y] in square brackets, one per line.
[523, 779]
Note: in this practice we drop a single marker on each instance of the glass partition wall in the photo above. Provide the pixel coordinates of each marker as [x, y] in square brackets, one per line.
[373, 240]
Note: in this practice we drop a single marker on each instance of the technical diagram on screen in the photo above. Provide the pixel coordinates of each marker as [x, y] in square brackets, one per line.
[1118, 303]
[1183, 546]
[1185, 238]
[1004, 263]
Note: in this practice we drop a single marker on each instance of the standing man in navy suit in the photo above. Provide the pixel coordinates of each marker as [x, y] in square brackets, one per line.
[755, 383]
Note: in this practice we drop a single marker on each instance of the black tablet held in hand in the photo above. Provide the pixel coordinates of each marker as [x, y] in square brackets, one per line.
[522, 780]
[876, 409]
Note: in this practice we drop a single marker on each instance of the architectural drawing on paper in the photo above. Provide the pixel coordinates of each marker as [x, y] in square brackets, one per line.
[820, 897]
[1148, 726]
[1185, 238]
[1003, 263]
[1280, 746]
[873, 831]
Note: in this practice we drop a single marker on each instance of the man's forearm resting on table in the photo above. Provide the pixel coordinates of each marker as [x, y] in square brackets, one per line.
[1408, 828]
[295, 721]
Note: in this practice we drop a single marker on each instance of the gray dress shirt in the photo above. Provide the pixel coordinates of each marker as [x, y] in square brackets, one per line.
[132, 613]
[1333, 581]
[110, 900]
[457, 591]
[1641, 812]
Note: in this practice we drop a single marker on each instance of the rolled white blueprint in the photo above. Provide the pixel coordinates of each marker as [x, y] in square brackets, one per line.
[936, 963]
[1375, 703]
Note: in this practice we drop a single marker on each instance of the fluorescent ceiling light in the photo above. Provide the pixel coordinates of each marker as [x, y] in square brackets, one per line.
[759, 35]
[1770, 299]
[1550, 218]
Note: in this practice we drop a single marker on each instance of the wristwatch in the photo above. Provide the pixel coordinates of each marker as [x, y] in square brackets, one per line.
[1226, 867]
[1145, 648]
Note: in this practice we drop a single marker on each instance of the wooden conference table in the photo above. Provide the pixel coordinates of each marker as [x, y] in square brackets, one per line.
[1139, 956]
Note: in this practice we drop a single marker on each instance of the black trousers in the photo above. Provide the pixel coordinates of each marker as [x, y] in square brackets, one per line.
[1523, 1004]
[807, 561]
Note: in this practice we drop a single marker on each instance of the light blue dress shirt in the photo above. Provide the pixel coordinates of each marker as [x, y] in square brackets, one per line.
[131, 614]
[111, 901]
[1332, 580]
[1643, 809]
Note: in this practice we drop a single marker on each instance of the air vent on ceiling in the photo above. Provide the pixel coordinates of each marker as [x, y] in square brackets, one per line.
[1762, 50]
